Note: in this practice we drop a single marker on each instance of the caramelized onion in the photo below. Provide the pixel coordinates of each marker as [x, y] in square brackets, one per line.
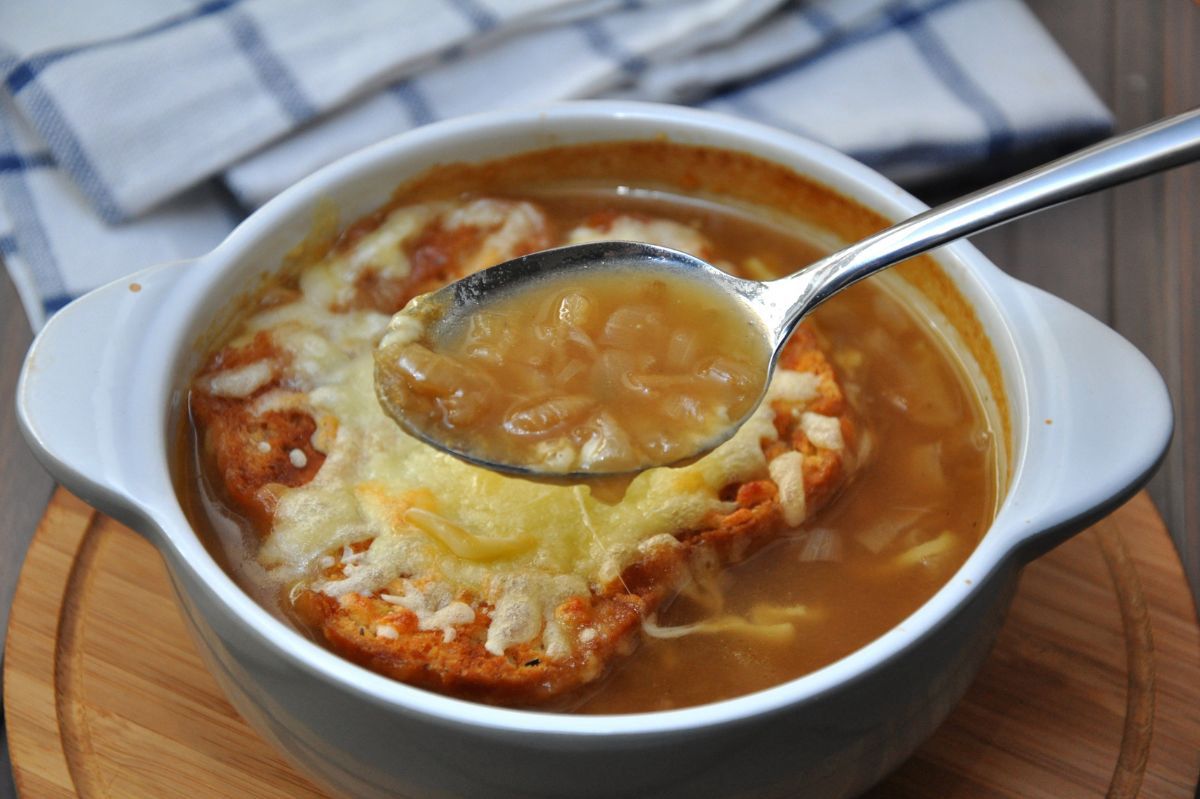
[821, 546]
[607, 443]
[576, 309]
[681, 349]
[726, 370]
[630, 328]
[430, 373]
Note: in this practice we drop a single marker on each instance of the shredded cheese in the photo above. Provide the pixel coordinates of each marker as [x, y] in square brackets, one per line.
[926, 552]
[822, 431]
[462, 543]
[433, 608]
[239, 382]
[658, 231]
[777, 632]
[787, 471]
[791, 386]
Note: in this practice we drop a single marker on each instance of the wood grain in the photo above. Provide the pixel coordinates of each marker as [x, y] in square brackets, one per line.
[105, 694]
[1092, 688]
[24, 485]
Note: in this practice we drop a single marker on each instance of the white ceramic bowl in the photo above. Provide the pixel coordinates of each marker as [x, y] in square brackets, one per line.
[101, 391]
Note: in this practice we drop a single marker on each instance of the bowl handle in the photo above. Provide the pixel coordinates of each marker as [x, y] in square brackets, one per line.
[1100, 420]
[77, 402]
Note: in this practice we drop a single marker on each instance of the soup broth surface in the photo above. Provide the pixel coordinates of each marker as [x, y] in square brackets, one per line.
[920, 495]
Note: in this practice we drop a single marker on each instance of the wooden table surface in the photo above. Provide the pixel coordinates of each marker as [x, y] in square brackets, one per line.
[1130, 257]
[1092, 687]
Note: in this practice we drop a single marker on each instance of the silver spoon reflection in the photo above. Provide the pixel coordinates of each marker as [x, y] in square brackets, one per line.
[772, 309]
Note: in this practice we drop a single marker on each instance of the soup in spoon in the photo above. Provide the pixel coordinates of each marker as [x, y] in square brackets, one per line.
[600, 370]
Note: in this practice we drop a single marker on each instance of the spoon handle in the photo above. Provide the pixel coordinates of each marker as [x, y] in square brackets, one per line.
[1152, 148]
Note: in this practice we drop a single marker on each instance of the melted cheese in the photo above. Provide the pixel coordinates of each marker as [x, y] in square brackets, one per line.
[662, 232]
[513, 525]
[794, 386]
[512, 224]
[331, 283]
[787, 472]
[823, 431]
[520, 548]
[777, 632]
[241, 381]
[433, 608]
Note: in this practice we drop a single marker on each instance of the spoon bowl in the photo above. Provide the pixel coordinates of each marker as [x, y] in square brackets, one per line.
[774, 307]
[441, 314]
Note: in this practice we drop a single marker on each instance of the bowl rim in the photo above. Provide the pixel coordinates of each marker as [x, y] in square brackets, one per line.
[829, 167]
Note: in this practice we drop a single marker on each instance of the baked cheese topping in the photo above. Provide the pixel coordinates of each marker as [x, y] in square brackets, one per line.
[435, 529]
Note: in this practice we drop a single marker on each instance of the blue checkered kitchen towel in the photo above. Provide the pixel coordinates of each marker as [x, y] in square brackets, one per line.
[138, 132]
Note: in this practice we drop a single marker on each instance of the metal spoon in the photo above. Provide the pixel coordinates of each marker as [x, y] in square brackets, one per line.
[779, 305]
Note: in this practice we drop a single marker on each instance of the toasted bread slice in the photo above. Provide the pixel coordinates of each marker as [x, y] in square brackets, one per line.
[267, 438]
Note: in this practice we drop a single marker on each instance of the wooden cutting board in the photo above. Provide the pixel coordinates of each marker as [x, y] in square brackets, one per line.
[1093, 687]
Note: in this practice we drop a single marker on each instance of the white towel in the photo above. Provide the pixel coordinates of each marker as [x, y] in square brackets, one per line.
[133, 132]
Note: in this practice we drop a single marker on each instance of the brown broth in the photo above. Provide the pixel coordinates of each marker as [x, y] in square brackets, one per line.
[911, 395]
[929, 482]
[914, 402]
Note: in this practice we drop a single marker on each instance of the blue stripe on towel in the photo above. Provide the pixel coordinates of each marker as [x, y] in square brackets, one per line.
[913, 23]
[416, 105]
[880, 27]
[18, 74]
[603, 44]
[19, 77]
[8, 245]
[269, 68]
[61, 139]
[27, 231]
[55, 302]
[15, 162]
[923, 151]
[819, 19]
[1065, 139]
[481, 18]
